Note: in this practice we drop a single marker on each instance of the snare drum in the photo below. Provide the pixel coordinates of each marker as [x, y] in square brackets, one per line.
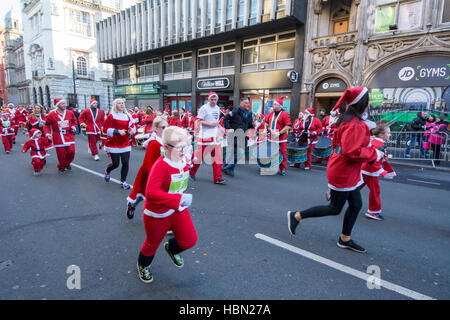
[267, 155]
[297, 153]
[323, 148]
[140, 139]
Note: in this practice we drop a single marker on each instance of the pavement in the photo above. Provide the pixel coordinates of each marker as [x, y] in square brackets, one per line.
[53, 222]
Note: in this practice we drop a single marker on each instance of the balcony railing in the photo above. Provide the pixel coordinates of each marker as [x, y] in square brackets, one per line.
[37, 74]
[86, 76]
[335, 40]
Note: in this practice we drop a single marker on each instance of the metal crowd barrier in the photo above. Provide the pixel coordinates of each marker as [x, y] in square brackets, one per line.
[400, 144]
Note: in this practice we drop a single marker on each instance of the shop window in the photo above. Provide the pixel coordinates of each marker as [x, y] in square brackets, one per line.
[178, 66]
[446, 12]
[216, 60]
[397, 15]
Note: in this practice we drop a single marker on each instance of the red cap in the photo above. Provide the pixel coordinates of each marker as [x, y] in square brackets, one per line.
[92, 101]
[351, 96]
[56, 102]
[212, 94]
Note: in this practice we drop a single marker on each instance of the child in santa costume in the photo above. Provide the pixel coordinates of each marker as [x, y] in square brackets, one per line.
[39, 146]
[209, 139]
[37, 118]
[92, 119]
[279, 123]
[372, 171]
[14, 116]
[351, 145]
[119, 125]
[6, 132]
[60, 127]
[154, 150]
[166, 204]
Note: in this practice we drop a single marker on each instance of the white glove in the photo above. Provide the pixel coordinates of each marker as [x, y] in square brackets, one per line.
[380, 154]
[186, 200]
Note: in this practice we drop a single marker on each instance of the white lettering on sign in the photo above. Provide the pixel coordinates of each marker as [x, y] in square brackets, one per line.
[433, 72]
[406, 74]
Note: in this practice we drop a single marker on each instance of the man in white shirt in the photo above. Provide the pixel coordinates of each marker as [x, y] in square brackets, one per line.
[209, 136]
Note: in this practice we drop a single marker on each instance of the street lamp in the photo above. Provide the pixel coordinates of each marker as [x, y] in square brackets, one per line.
[312, 92]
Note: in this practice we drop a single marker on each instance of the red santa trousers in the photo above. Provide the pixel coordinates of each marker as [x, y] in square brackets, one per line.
[156, 228]
[283, 151]
[373, 183]
[216, 155]
[92, 139]
[65, 155]
[38, 164]
[7, 142]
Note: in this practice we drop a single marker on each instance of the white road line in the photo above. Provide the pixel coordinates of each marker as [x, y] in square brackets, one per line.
[340, 267]
[102, 175]
[421, 181]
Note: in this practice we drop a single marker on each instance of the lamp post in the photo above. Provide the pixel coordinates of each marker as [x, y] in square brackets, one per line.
[74, 84]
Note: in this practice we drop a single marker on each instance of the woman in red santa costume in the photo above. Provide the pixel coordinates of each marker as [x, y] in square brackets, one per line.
[372, 171]
[37, 118]
[279, 123]
[92, 119]
[153, 152]
[166, 204]
[119, 125]
[39, 146]
[60, 127]
[147, 121]
[351, 149]
[6, 132]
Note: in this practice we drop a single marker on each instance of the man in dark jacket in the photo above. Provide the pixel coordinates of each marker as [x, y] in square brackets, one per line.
[238, 118]
[418, 126]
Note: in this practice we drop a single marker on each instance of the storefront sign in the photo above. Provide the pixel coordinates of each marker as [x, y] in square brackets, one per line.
[331, 84]
[135, 89]
[376, 98]
[217, 83]
[417, 72]
[292, 75]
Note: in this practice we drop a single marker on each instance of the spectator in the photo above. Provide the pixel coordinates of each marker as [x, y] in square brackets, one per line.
[322, 114]
[437, 137]
[418, 126]
[431, 122]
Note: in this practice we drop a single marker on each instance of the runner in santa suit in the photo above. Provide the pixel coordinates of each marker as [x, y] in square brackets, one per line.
[119, 125]
[153, 151]
[14, 116]
[6, 132]
[37, 118]
[92, 119]
[351, 145]
[279, 122]
[372, 171]
[184, 119]
[60, 127]
[39, 146]
[147, 121]
[23, 115]
[309, 130]
[166, 204]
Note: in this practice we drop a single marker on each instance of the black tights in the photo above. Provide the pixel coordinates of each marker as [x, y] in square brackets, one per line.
[145, 261]
[115, 162]
[338, 200]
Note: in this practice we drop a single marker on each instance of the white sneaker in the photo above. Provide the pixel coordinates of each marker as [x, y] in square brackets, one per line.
[96, 157]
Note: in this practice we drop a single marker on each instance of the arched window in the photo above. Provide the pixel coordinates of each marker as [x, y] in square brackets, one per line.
[35, 96]
[81, 66]
[47, 94]
[41, 96]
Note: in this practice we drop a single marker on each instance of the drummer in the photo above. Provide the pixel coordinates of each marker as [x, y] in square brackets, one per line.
[279, 123]
[328, 125]
[297, 133]
[309, 129]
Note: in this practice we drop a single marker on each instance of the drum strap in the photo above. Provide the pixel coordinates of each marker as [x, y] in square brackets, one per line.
[338, 150]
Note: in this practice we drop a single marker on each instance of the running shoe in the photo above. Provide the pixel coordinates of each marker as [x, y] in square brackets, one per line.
[69, 168]
[62, 170]
[130, 211]
[193, 178]
[125, 185]
[107, 176]
[176, 258]
[292, 222]
[375, 216]
[282, 172]
[144, 274]
[37, 173]
[221, 181]
[96, 157]
[307, 168]
[350, 245]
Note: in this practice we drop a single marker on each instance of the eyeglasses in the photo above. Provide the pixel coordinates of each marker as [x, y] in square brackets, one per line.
[162, 127]
[179, 149]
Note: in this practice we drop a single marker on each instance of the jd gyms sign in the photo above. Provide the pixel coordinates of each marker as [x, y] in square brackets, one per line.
[417, 72]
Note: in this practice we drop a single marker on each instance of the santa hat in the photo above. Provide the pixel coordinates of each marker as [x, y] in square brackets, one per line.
[117, 100]
[189, 113]
[212, 94]
[56, 102]
[280, 101]
[351, 96]
[334, 113]
[11, 105]
[34, 132]
[92, 102]
[309, 112]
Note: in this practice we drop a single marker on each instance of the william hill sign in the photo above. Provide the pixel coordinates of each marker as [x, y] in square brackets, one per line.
[216, 83]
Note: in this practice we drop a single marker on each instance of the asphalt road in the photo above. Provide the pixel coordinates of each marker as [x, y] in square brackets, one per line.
[244, 250]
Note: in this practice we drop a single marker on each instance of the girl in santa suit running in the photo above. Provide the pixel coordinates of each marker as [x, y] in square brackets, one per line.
[119, 125]
[166, 204]
[351, 150]
[153, 152]
[39, 146]
[37, 118]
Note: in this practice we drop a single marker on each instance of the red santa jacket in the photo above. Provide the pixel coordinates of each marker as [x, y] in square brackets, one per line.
[6, 128]
[175, 122]
[277, 124]
[311, 129]
[14, 116]
[148, 122]
[93, 124]
[115, 142]
[329, 124]
[36, 122]
[165, 185]
[61, 127]
[380, 167]
[39, 147]
[185, 121]
[351, 149]
[23, 114]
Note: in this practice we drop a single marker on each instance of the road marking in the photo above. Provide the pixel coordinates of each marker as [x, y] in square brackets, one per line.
[340, 267]
[102, 175]
[435, 183]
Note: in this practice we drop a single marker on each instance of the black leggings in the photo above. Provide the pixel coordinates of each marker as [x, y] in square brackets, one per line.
[338, 200]
[436, 152]
[115, 162]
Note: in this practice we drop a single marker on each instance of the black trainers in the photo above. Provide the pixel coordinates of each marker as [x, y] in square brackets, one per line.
[350, 245]
[292, 222]
[69, 168]
[221, 181]
[193, 178]
[130, 211]
[144, 274]
[176, 258]
[62, 170]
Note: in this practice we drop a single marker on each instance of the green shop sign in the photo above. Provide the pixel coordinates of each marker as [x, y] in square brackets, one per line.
[137, 89]
[376, 98]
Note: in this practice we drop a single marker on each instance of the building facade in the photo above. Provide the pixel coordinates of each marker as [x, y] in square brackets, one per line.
[171, 53]
[3, 92]
[399, 49]
[59, 43]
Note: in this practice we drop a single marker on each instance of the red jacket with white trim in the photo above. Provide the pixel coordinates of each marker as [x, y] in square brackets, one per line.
[39, 147]
[115, 142]
[380, 167]
[14, 116]
[93, 124]
[60, 127]
[6, 128]
[278, 123]
[36, 122]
